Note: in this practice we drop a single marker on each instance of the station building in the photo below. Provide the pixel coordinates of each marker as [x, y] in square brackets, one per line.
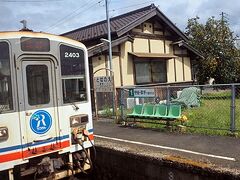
[148, 49]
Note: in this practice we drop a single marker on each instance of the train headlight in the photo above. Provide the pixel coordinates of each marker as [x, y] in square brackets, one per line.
[78, 120]
[3, 133]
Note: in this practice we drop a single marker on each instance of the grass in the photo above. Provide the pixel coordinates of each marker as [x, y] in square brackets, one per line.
[217, 94]
[106, 112]
[211, 118]
[237, 115]
[213, 114]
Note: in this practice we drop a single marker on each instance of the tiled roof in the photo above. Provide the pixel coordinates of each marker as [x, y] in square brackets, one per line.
[100, 29]
[121, 24]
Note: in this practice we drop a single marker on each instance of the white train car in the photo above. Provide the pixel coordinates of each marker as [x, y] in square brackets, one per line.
[46, 127]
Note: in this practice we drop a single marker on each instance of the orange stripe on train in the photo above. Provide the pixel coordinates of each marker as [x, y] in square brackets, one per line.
[10, 157]
[35, 151]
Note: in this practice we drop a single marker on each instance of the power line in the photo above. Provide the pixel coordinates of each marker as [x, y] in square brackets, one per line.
[32, 1]
[72, 15]
[126, 7]
[66, 17]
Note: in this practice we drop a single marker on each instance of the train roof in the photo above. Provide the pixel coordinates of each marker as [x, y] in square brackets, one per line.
[52, 37]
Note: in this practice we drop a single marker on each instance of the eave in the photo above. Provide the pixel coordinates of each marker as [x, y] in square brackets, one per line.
[189, 47]
[99, 48]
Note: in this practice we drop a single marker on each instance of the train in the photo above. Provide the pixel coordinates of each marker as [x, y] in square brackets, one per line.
[46, 127]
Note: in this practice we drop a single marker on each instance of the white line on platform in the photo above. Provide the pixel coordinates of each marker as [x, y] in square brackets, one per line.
[169, 148]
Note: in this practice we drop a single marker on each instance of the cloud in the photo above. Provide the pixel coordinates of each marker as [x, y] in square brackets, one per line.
[7, 18]
[63, 16]
[216, 7]
[185, 9]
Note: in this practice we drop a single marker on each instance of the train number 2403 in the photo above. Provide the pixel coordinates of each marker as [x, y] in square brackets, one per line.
[71, 55]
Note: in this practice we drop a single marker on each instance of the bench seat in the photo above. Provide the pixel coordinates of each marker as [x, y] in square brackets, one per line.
[159, 111]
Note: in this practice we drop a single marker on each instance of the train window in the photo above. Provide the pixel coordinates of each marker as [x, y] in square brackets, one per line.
[6, 100]
[74, 90]
[72, 61]
[73, 74]
[37, 84]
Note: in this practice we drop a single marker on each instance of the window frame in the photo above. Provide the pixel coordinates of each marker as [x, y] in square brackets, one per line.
[24, 40]
[72, 78]
[64, 77]
[48, 77]
[149, 61]
[12, 75]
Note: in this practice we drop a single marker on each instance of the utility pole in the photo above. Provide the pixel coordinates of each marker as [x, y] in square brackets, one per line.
[223, 20]
[109, 36]
[110, 54]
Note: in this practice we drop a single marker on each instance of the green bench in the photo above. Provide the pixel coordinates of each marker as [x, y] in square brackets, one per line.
[137, 110]
[158, 111]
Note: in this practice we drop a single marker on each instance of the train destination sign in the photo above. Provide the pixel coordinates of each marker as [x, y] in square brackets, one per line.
[35, 44]
[141, 93]
[103, 84]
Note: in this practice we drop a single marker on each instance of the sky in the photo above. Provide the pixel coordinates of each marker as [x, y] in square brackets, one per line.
[60, 16]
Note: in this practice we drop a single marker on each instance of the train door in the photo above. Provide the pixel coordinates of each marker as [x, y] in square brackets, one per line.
[41, 119]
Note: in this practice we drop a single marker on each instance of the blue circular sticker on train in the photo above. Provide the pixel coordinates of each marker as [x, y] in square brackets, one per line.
[40, 122]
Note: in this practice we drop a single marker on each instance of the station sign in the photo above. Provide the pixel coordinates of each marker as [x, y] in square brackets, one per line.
[103, 83]
[142, 93]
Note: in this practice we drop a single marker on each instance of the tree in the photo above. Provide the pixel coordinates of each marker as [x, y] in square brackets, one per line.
[216, 42]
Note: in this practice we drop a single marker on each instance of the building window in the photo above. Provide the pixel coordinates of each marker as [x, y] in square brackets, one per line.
[151, 71]
[142, 73]
[159, 73]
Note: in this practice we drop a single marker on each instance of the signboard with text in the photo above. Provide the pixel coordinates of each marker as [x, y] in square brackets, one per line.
[103, 84]
[141, 93]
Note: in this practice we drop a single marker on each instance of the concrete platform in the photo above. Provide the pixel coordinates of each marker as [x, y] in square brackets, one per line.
[208, 153]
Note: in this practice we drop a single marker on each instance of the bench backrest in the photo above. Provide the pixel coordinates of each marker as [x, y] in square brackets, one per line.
[148, 110]
[174, 110]
[137, 109]
[161, 110]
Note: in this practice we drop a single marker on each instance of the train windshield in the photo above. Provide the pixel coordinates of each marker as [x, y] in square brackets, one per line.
[37, 84]
[73, 74]
[6, 103]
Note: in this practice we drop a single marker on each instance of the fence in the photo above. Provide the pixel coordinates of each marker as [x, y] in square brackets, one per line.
[209, 109]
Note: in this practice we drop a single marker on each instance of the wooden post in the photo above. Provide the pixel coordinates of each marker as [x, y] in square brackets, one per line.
[113, 91]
